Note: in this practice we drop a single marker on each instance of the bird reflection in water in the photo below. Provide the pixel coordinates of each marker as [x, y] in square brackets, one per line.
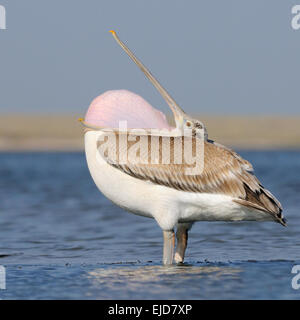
[159, 279]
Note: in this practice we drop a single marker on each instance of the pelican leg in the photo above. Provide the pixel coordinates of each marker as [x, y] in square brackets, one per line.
[182, 239]
[169, 243]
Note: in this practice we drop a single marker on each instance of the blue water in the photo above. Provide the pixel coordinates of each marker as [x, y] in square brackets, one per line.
[60, 238]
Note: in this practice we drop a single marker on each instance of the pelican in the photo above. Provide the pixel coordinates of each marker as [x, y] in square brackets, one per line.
[224, 190]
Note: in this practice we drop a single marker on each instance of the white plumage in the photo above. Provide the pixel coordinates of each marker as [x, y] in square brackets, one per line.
[226, 190]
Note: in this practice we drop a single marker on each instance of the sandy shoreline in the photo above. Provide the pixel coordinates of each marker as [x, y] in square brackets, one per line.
[64, 133]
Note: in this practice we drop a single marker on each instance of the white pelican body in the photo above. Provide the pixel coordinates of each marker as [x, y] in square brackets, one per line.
[166, 205]
[225, 190]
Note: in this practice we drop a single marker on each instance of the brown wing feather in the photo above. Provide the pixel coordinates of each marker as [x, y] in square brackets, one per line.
[224, 171]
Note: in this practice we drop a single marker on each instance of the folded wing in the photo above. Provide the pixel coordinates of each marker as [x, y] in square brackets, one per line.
[224, 171]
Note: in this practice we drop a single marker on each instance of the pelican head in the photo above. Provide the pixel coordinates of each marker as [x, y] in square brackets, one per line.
[197, 127]
[183, 120]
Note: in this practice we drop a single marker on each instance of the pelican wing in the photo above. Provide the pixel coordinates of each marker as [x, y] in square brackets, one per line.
[223, 171]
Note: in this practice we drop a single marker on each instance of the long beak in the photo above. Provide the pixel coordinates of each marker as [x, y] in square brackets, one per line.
[177, 111]
[89, 126]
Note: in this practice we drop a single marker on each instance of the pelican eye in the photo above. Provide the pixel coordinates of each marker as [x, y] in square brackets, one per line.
[188, 124]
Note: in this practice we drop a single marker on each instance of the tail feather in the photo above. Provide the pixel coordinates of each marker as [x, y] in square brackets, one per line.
[264, 199]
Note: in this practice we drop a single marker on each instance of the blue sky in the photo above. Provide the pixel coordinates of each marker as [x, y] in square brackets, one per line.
[214, 57]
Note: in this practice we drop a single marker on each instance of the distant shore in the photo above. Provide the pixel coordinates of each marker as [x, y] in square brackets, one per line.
[64, 133]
